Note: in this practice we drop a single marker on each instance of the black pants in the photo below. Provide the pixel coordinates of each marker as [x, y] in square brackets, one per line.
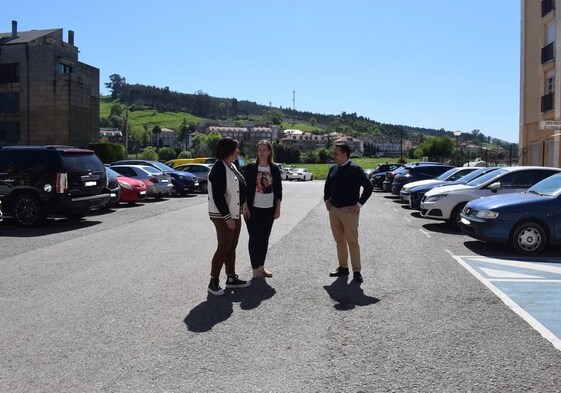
[259, 227]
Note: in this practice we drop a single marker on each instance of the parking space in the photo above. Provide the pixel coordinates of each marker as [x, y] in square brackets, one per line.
[530, 287]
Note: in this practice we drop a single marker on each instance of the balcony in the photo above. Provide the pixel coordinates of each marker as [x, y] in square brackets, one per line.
[548, 52]
[547, 102]
[547, 7]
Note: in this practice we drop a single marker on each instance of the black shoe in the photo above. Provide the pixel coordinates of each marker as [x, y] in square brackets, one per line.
[214, 287]
[357, 277]
[234, 282]
[340, 271]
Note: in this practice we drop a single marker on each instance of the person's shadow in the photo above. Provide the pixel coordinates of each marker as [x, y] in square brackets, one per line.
[348, 295]
[216, 309]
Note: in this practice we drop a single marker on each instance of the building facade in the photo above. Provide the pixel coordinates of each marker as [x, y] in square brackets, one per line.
[540, 87]
[46, 95]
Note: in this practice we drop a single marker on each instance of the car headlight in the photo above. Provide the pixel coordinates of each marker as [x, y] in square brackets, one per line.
[489, 214]
[125, 185]
[435, 198]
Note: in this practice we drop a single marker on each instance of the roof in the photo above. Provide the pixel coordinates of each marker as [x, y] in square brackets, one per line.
[25, 36]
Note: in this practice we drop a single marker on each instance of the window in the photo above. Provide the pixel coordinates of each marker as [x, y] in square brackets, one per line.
[9, 102]
[9, 131]
[9, 73]
[550, 82]
[64, 69]
[550, 33]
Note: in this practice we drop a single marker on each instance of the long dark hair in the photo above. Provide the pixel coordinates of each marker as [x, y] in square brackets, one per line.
[225, 147]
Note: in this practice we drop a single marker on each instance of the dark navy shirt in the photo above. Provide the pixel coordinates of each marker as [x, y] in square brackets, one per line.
[342, 186]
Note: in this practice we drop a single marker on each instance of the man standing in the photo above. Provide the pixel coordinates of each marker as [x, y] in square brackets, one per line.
[343, 200]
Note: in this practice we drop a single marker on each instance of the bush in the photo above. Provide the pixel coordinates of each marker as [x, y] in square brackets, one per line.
[108, 152]
[167, 153]
[149, 154]
[185, 154]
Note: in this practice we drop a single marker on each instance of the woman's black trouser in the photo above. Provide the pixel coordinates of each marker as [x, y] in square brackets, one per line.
[259, 227]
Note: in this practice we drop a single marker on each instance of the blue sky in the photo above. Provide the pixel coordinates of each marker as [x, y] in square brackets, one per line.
[434, 63]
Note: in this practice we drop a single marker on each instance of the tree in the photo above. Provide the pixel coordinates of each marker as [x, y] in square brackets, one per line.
[273, 116]
[149, 154]
[212, 140]
[156, 131]
[166, 154]
[116, 85]
[139, 137]
[436, 148]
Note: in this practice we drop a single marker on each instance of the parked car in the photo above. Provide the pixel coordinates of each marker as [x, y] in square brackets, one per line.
[387, 183]
[183, 182]
[416, 173]
[158, 184]
[283, 172]
[416, 193]
[446, 203]
[451, 174]
[131, 190]
[44, 181]
[199, 170]
[300, 174]
[113, 186]
[527, 221]
[378, 176]
[184, 161]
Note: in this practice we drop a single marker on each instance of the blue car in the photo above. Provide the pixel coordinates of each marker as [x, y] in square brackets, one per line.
[527, 221]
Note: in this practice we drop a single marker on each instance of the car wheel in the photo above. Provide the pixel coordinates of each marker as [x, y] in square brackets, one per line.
[159, 196]
[529, 238]
[455, 216]
[172, 192]
[28, 212]
[204, 187]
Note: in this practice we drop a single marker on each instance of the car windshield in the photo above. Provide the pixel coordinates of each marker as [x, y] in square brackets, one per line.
[152, 170]
[447, 174]
[486, 177]
[113, 173]
[472, 175]
[162, 167]
[550, 186]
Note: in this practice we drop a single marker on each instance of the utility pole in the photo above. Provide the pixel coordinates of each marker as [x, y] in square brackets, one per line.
[293, 100]
[127, 132]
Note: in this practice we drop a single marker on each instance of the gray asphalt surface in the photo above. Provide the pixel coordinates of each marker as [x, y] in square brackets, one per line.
[118, 303]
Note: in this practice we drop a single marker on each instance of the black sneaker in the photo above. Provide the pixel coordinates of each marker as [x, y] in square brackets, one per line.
[214, 287]
[357, 277]
[340, 271]
[234, 282]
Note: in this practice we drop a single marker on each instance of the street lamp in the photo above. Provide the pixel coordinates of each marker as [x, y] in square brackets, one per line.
[457, 135]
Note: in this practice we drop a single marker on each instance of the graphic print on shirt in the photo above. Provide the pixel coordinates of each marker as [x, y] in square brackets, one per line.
[264, 182]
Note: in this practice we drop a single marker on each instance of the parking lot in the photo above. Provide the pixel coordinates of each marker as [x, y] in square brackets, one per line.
[118, 303]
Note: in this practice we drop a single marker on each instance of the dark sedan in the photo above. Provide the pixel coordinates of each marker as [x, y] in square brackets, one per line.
[378, 175]
[527, 221]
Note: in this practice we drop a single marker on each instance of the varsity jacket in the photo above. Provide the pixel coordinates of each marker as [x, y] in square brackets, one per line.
[226, 191]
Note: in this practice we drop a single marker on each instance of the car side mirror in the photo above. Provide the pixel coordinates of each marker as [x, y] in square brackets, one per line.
[495, 186]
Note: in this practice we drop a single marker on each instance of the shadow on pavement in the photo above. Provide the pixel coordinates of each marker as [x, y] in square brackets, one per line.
[217, 309]
[348, 295]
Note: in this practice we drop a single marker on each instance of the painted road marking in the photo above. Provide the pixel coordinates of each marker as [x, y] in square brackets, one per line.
[531, 287]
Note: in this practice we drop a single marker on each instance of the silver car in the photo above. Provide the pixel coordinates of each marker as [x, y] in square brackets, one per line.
[157, 183]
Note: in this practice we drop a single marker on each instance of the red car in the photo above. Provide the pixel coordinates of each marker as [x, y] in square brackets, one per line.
[132, 190]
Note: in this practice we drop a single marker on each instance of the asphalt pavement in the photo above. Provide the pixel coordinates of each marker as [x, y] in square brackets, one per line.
[118, 303]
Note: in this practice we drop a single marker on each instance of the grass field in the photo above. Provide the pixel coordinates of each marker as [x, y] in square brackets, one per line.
[320, 170]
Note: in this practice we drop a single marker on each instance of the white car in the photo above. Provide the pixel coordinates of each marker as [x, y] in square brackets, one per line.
[446, 203]
[301, 174]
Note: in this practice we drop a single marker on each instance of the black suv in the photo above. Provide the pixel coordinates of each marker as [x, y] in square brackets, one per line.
[413, 173]
[378, 175]
[41, 181]
[183, 182]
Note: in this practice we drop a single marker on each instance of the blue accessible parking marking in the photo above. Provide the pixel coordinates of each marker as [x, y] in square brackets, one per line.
[531, 287]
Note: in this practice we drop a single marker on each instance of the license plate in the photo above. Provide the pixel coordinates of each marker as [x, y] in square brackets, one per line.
[142, 193]
[90, 183]
[164, 181]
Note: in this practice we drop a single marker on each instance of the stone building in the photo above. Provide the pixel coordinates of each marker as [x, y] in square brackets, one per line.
[46, 95]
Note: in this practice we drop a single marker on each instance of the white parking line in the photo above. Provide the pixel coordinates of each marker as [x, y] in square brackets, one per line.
[533, 322]
[427, 234]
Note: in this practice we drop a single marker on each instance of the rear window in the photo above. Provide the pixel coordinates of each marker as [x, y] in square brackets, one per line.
[78, 162]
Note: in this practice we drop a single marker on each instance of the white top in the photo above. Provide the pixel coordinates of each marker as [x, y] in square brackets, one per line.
[264, 196]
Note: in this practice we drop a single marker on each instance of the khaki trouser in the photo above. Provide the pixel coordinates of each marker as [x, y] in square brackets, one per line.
[344, 226]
